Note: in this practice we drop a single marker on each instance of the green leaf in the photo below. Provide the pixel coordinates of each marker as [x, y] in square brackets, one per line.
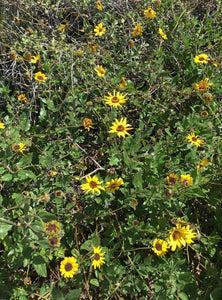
[137, 180]
[6, 177]
[94, 282]
[39, 265]
[73, 294]
[4, 229]
[183, 296]
[57, 294]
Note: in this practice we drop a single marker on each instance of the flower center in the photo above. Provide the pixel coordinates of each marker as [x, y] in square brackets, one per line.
[93, 184]
[201, 58]
[194, 139]
[115, 99]
[68, 267]
[96, 256]
[40, 77]
[51, 228]
[54, 240]
[113, 186]
[158, 247]
[185, 182]
[58, 194]
[101, 71]
[172, 180]
[120, 128]
[176, 235]
[17, 147]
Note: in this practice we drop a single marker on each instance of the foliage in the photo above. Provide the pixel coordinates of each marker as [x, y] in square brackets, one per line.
[49, 86]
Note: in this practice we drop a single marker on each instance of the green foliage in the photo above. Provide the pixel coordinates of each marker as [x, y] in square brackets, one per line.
[46, 152]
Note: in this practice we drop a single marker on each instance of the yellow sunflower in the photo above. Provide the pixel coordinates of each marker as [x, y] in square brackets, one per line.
[92, 185]
[116, 99]
[21, 97]
[138, 29]
[162, 34]
[114, 184]
[193, 139]
[160, 247]
[52, 227]
[201, 58]
[120, 128]
[179, 236]
[19, 147]
[123, 83]
[186, 180]
[99, 5]
[54, 241]
[98, 259]
[203, 85]
[39, 76]
[87, 123]
[100, 71]
[35, 59]
[2, 125]
[150, 13]
[68, 267]
[172, 179]
[99, 30]
[202, 164]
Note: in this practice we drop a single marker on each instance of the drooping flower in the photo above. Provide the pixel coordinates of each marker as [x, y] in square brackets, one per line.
[52, 227]
[35, 59]
[186, 180]
[214, 63]
[62, 27]
[54, 241]
[162, 34]
[68, 267]
[201, 58]
[98, 257]
[99, 30]
[52, 173]
[138, 29]
[79, 52]
[39, 76]
[99, 5]
[160, 247]
[193, 139]
[123, 83]
[87, 123]
[114, 184]
[172, 179]
[207, 97]
[134, 202]
[100, 71]
[180, 236]
[93, 47]
[19, 147]
[120, 127]
[203, 85]
[150, 13]
[202, 164]
[92, 185]
[2, 125]
[116, 99]
[21, 97]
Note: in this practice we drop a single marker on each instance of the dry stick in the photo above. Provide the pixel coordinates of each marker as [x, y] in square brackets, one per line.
[95, 162]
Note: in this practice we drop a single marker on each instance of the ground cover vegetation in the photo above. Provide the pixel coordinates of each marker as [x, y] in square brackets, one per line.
[110, 149]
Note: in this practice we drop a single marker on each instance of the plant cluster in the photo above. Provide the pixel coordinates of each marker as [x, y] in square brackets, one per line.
[110, 149]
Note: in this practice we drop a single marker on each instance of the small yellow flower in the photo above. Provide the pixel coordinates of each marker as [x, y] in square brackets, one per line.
[99, 30]
[87, 123]
[160, 247]
[207, 98]
[98, 259]
[62, 27]
[35, 59]
[52, 173]
[131, 44]
[19, 147]
[214, 63]
[92, 185]
[162, 34]
[201, 58]
[180, 236]
[172, 179]
[21, 97]
[79, 52]
[149, 13]
[120, 127]
[39, 76]
[123, 83]
[138, 29]
[99, 5]
[202, 164]
[134, 202]
[54, 241]
[93, 47]
[68, 267]
[116, 99]
[204, 114]
[100, 71]
[52, 227]
[186, 180]
[193, 139]
[2, 125]
[203, 85]
[114, 184]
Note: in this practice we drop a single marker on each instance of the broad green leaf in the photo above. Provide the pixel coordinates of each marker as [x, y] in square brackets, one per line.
[4, 228]
[94, 282]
